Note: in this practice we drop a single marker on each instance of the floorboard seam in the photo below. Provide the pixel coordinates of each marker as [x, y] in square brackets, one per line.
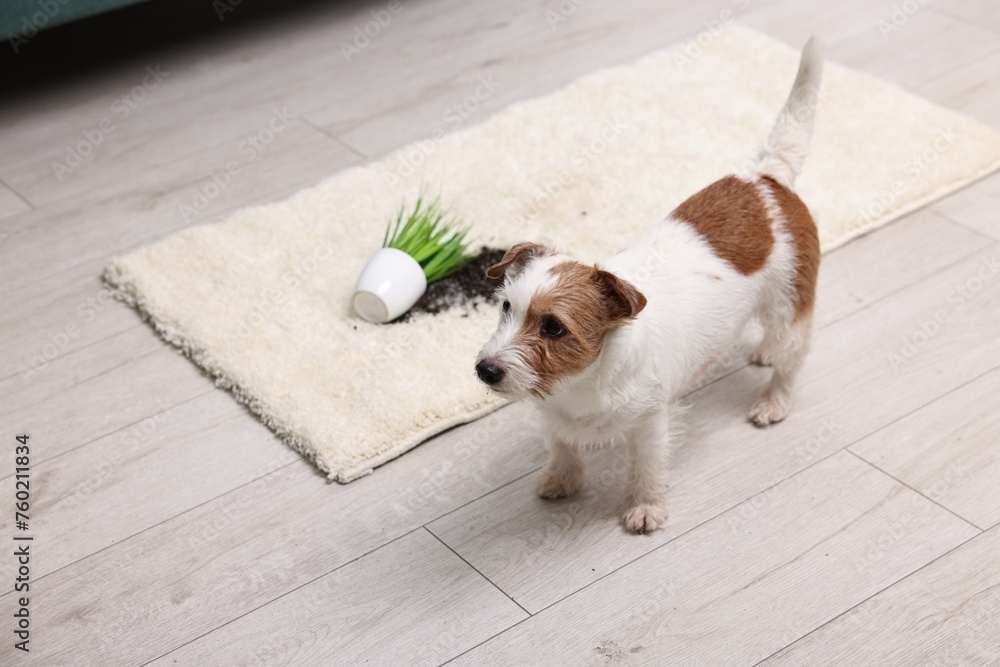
[532, 471]
[75, 350]
[117, 430]
[863, 307]
[651, 551]
[963, 225]
[878, 592]
[17, 194]
[288, 592]
[918, 492]
[331, 135]
[210, 218]
[476, 570]
[964, 258]
[735, 505]
[158, 523]
[479, 497]
[967, 22]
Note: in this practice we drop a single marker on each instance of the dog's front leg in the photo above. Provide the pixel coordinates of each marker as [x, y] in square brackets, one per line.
[562, 475]
[645, 493]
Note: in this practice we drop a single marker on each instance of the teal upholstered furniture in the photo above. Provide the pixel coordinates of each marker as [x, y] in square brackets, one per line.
[25, 18]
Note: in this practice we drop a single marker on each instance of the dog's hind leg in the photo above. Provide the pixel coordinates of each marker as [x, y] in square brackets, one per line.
[784, 348]
[786, 307]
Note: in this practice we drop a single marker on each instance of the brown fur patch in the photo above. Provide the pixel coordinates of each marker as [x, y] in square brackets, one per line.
[805, 238]
[733, 219]
[516, 258]
[588, 302]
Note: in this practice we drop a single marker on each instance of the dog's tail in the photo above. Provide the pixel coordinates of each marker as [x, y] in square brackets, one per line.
[786, 147]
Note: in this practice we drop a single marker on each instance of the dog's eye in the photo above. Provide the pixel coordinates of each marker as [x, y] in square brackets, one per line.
[552, 328]
[506, 306]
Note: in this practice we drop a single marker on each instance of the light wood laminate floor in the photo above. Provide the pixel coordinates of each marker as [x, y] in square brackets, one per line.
[171, 528]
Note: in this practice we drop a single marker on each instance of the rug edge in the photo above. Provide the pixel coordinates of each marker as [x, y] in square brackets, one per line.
[123, 288]
[350, 474]
[915, 205]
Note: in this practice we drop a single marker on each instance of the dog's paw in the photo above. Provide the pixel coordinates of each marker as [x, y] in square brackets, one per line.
[769, 409]
[758, 358]
[644, 518]
[554, 484]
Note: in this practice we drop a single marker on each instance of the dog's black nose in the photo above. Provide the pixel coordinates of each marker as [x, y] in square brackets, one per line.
[488, 373]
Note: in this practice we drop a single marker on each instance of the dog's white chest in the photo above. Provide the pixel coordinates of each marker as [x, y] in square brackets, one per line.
[581, 420]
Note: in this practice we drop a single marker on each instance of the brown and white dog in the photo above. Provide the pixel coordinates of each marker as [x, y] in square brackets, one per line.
[607, 349]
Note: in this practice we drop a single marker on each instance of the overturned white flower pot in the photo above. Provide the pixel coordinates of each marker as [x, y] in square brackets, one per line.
[391, 282]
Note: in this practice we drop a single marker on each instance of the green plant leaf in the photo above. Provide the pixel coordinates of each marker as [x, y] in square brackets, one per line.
[426, 234]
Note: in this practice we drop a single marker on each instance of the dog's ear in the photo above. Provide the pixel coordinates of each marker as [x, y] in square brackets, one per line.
[516, 258]
[623, 300]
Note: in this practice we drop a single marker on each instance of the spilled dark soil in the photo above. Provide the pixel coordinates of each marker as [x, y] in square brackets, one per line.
[459, 290]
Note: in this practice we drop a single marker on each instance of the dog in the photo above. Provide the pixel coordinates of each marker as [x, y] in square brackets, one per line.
[606, 350]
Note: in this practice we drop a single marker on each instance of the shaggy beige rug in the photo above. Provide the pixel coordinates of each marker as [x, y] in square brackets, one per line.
[261, 301]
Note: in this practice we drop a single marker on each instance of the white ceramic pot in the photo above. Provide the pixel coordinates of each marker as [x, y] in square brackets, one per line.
[388, 286]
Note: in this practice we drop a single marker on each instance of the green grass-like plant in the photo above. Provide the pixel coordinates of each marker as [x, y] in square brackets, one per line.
[426, 235]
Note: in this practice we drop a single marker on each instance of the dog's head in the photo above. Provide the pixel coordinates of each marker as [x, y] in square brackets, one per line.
[555, 315]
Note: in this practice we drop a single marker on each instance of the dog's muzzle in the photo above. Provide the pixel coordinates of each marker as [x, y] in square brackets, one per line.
[489, 373]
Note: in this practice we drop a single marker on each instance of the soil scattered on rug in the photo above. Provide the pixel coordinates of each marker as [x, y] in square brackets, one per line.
[465, 288]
